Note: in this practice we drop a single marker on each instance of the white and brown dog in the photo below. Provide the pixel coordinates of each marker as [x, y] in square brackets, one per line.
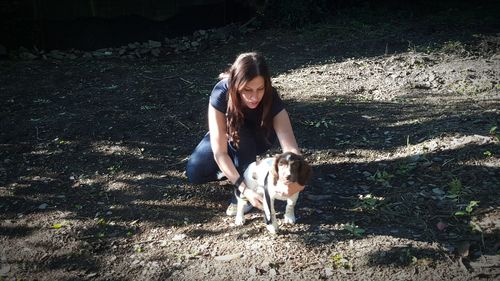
[265, 176]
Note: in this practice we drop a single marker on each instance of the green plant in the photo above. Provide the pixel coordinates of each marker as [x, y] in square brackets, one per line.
[148, 107]
[487, 153]
[468, 209]
[369, 202]
[455, 189]
[406, 168]
[453, 47]
[318, 123]
[138, 249]
[382, 177]
[493, 131]
[353, 229]
[338, 261]
[61, 141]
[115, 168]
[408, 257]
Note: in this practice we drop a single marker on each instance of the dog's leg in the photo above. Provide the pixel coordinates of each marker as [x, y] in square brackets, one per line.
[240, 215]
[290, 209]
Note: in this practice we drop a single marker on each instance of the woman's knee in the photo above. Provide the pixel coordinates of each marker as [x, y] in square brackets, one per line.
[194, 172]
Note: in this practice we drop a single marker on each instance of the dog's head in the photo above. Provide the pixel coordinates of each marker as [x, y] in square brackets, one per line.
[290, 167]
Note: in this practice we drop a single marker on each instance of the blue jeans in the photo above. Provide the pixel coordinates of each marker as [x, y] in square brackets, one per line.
[202, 168]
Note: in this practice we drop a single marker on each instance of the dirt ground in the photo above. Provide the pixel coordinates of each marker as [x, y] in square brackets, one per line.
[399, 122]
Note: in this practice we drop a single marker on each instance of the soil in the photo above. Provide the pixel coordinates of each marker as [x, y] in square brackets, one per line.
[399, 123]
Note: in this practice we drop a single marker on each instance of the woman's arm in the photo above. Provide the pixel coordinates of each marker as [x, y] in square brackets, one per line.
[283, 128]
[218, 141]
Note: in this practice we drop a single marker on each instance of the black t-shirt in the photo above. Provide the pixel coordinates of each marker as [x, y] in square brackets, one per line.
[219, 98]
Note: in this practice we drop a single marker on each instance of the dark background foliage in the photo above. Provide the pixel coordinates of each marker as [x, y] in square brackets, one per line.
[89, 24]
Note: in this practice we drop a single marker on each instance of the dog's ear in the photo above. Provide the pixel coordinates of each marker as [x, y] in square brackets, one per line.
[274, 170]
[304, 172]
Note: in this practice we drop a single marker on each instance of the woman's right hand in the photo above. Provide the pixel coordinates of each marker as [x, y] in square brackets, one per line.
[254, 198]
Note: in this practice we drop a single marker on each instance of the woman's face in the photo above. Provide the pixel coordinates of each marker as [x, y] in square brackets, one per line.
[252, 92]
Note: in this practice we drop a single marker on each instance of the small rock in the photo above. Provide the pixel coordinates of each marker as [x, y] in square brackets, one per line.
[438, 191]
[179, 237]
[43, 206]
[4, 269]
[437, 159]
[27, 56]
[154, 44]
[328, 272]
[272, 272]
[56, 54]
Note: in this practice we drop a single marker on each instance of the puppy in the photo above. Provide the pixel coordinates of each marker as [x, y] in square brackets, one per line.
[265, 176]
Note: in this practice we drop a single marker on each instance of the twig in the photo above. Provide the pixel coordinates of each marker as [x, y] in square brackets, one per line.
[183, 125]
[189, 82]
[247, 23]
[177, 163]
[448, 161]
[88, 237]
[148, 241]
[37, 135]
[160, 78]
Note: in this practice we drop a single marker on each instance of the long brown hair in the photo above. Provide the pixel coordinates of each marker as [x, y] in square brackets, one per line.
[245, 68]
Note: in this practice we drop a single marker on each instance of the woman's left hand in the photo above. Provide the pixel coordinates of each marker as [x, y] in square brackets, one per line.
[289, 189]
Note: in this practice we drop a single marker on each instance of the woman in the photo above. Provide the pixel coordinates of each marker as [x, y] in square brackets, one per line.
[245, 116]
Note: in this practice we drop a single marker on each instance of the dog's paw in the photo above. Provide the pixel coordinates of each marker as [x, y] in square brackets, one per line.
[272, 228]
[239, 220]
[290, 219]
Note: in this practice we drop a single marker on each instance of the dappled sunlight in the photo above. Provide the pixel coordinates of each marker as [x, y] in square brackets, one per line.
[441, 144]
[115, 149]
[410, 121]
[388, 78]
[428, 146]
[486, 161]
[47, 152]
